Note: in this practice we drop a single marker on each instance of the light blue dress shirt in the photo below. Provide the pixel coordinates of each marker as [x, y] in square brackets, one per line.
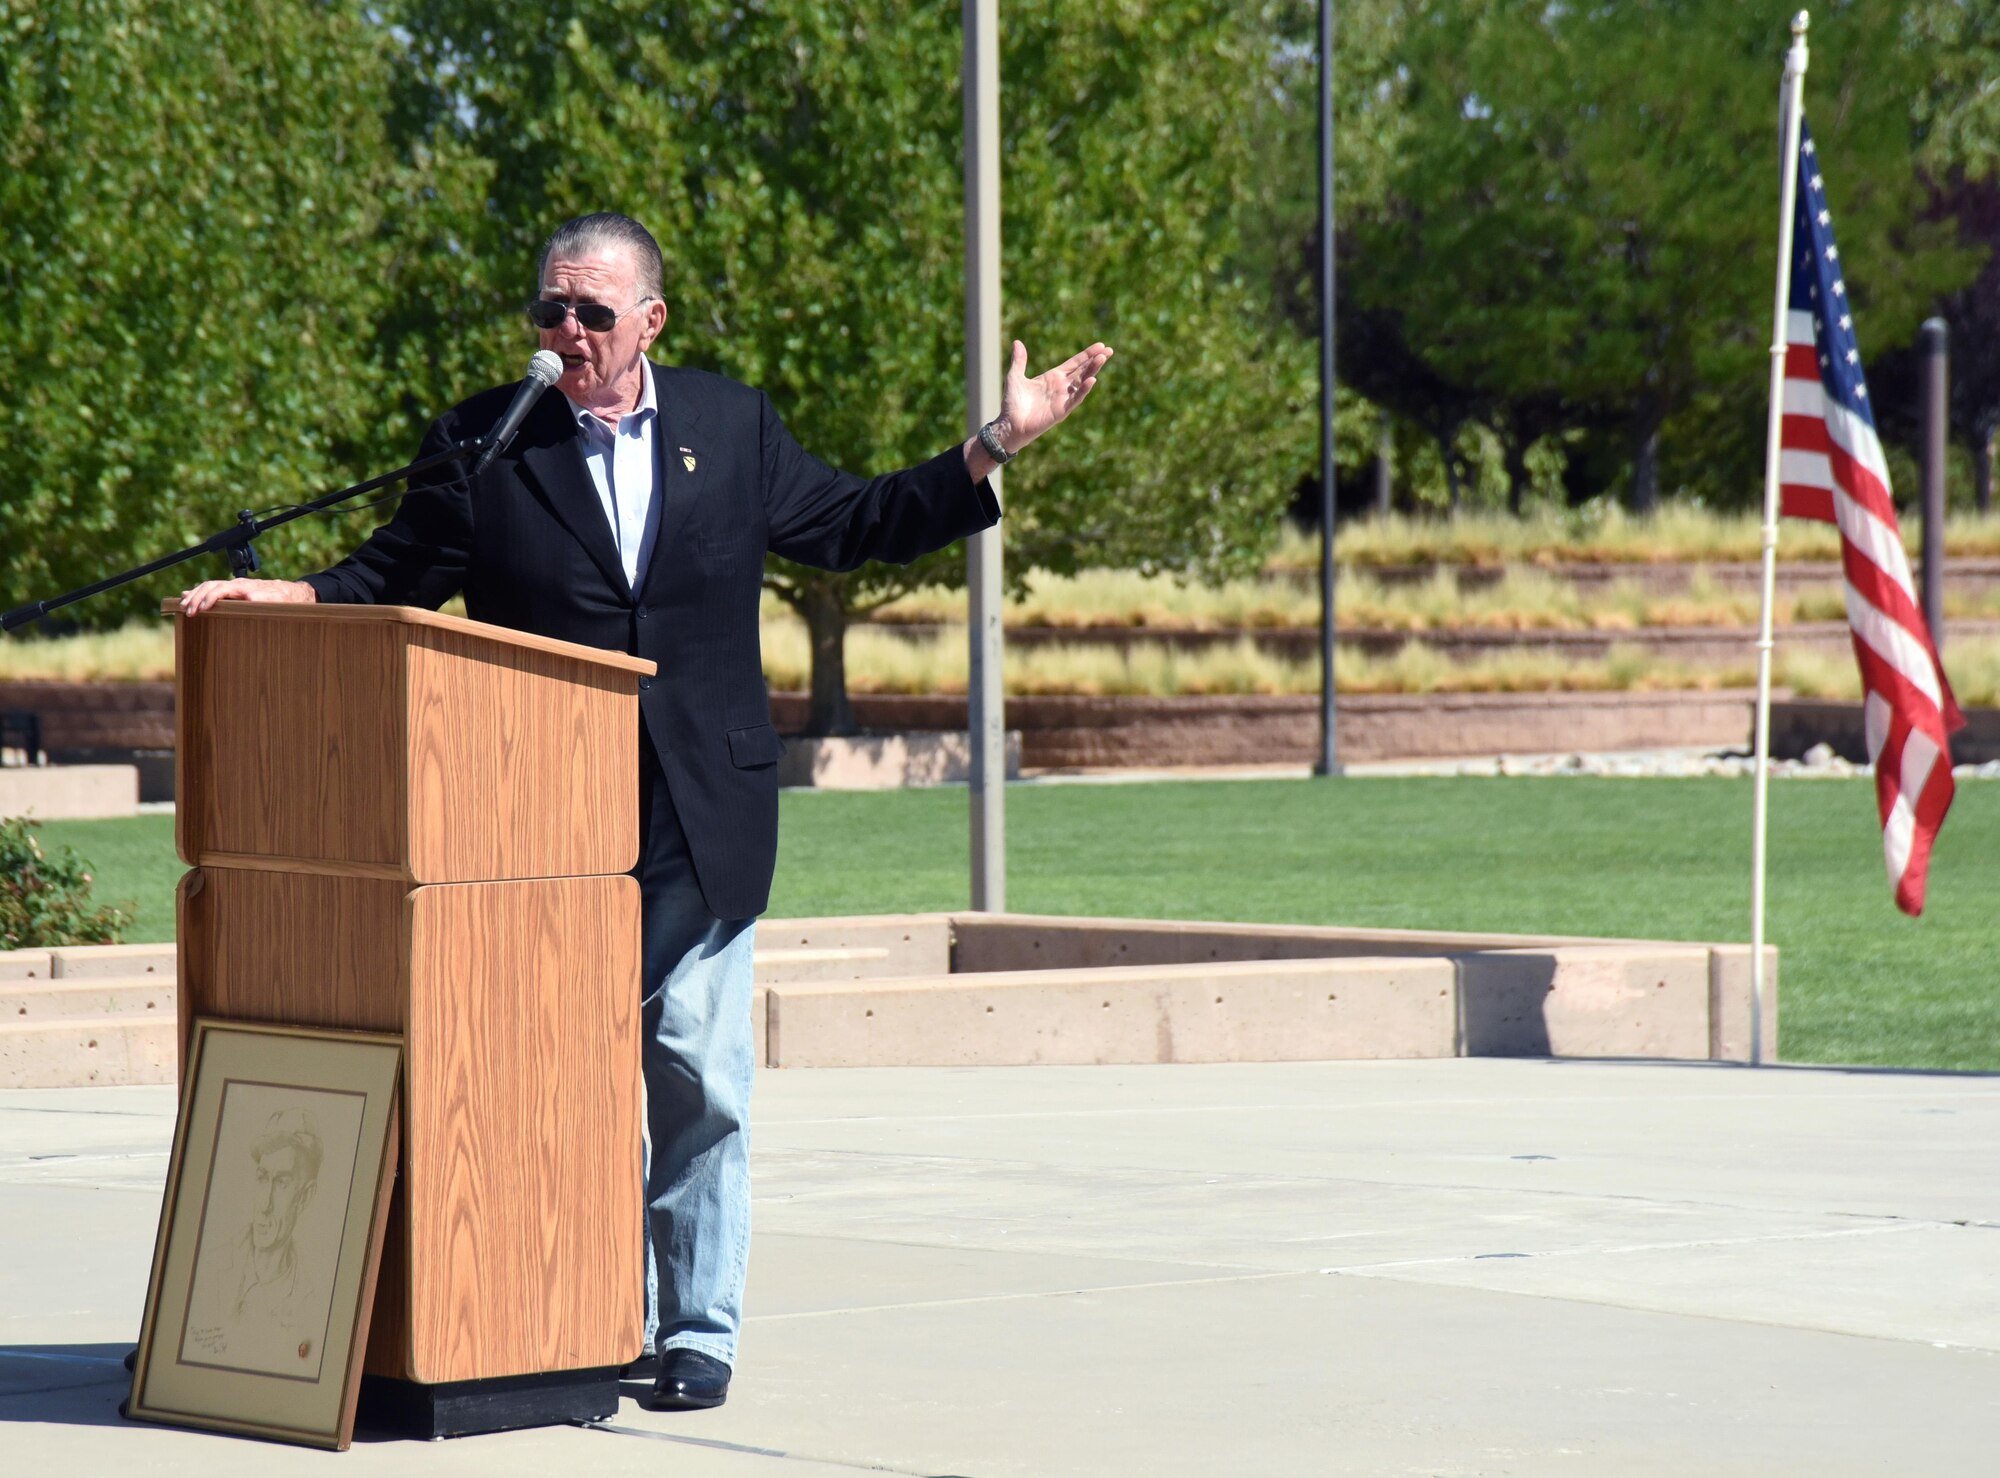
[626, 473]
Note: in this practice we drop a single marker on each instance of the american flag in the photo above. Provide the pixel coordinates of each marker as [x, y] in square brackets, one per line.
[1832, 470]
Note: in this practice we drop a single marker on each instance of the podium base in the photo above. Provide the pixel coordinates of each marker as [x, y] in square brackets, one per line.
[468, 1407]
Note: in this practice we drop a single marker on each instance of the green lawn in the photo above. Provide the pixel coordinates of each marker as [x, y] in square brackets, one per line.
[1650, 858]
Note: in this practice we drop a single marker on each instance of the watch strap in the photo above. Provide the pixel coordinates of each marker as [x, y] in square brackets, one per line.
[995, 448]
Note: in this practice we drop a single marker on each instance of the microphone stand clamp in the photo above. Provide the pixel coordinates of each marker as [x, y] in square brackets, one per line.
[243, 560]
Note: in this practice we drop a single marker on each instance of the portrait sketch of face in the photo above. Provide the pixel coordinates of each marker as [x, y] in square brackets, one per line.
[270, 1229]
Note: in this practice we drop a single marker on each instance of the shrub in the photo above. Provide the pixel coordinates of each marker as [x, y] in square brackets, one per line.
[45, 899]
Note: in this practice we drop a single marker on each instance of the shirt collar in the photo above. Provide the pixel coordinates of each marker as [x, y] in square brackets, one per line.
[647, 406]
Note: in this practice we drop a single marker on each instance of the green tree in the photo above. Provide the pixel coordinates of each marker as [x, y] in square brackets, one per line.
[801, 166]
[1956, 111]
[1283, 238]
[1958, 121]
[1582, 206]
[215, 288]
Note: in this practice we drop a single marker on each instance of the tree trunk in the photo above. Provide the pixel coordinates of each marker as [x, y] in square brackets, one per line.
[824, 608]
[1646, 460]
[1515, 452]
[1385, 468]
[1450, 470]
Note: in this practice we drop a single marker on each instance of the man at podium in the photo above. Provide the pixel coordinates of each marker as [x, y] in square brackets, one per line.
[633, 512]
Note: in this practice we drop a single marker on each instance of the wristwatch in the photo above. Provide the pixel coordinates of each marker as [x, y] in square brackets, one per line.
[990, 439]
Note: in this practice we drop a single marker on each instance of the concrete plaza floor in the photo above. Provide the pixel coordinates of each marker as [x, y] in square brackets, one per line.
[1441, 1268]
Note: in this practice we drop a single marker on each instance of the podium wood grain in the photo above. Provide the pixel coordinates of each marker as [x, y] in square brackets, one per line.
[497, 788]
[523, 1175]
[289, 738]
[401, 743]
[514, 1237]
[297, 949]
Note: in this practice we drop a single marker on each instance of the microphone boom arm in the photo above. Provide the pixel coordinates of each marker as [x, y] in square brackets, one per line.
[235, 541]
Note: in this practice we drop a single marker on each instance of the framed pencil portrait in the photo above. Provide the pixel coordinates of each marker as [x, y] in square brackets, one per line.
[270, 1233]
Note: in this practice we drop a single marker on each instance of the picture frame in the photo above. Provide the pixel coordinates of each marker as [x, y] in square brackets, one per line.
[271, 1230]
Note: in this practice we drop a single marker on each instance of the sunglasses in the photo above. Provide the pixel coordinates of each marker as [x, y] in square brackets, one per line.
[547, 313]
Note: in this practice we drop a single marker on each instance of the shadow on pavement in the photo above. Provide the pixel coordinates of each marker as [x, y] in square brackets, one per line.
[1853, 1070]
[74, 1385]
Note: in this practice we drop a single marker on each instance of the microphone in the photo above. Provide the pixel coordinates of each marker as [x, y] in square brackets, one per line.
[543, 371]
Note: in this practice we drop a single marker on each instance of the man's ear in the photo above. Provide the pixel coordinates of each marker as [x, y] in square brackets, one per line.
[656, 320]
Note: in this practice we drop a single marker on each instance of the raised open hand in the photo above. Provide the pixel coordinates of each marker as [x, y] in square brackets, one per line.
[1028, 407]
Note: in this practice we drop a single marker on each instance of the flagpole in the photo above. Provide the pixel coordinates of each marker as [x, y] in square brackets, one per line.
[1791, 96]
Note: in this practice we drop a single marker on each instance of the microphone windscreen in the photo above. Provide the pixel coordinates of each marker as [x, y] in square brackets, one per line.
[545, 368]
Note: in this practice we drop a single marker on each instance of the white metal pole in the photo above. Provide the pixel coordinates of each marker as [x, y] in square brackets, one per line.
[1791, 96]
[985, 701]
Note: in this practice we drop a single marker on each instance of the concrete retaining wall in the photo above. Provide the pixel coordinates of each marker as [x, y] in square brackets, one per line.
[69, 792]
[1588, 1001]
[96, 716]
[106, 721]
[969, 990]
[1072, 732]
[1797, 724]
[1263, 1011]
[1056, 942]
[1028, 988]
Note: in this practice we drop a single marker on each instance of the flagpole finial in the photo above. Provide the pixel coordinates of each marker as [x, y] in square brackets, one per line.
[1800, 22]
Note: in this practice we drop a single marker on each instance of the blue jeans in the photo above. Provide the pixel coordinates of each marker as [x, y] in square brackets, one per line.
[696, 1053]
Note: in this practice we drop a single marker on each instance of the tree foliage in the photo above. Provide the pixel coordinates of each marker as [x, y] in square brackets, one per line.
[1972, 319]
[210, 236]
[1956, 109]
[1958, 129]
[801, 165]
[253, 245]
[1580, 194]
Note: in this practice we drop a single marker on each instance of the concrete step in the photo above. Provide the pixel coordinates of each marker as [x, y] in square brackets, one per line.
[855, 962]
[49, 1000]
[26, 964]
[88, 962]
[112, 961]
[71, 1052]
[130, 961]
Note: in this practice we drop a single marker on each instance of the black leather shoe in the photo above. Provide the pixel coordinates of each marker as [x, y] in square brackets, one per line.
[688, 1381]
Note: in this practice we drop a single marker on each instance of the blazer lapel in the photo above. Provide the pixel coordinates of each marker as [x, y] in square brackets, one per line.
[553, 462]
[676, 445]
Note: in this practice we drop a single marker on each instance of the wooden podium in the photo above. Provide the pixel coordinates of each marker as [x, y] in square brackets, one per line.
[407, 822]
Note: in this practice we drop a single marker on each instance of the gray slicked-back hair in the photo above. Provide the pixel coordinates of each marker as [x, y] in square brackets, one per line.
[603, 232]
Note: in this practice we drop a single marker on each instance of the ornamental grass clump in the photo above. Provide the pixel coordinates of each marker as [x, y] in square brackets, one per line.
[1525, 597]
[45, 897]
[137, 651]
[1602, 533]
[1971, 663]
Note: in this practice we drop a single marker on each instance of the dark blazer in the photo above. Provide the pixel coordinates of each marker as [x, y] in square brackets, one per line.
[529, 547]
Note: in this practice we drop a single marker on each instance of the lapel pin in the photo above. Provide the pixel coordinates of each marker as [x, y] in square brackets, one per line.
[687, 458]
